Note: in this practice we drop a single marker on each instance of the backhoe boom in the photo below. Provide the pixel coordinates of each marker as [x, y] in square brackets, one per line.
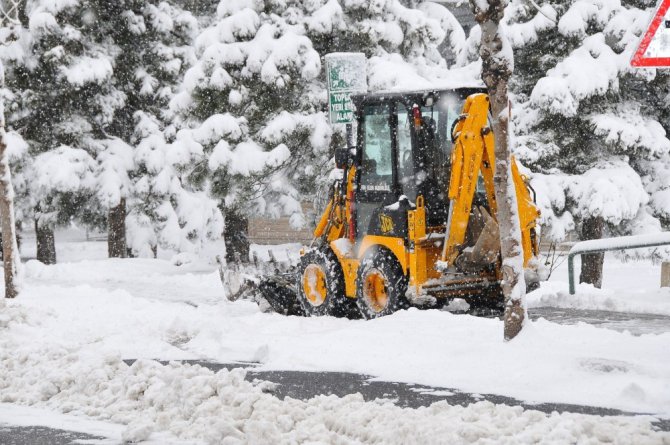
[472, 156]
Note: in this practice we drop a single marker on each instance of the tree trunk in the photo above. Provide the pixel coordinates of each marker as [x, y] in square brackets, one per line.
[46, 244]
[10, 250]
[116, 231]
[235, 235]
[592, 263]
[497, 67]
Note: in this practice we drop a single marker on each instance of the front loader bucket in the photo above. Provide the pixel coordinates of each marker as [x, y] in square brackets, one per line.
[271, 281]
[280, 292]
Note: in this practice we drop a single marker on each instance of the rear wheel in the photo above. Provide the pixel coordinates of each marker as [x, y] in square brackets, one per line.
[321, 284]
[381, 285]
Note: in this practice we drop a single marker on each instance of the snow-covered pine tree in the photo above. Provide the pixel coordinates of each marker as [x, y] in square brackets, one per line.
[587, 122]
[259, 74]
[407, 42]
[83, 76]
[169, 210]
[244, 99]
[62, 96]
[152, 41]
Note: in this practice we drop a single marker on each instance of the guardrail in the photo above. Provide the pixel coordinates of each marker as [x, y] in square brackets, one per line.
[609, 244]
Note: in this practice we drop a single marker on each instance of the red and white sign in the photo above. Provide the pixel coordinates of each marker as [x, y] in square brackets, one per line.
[654, 48]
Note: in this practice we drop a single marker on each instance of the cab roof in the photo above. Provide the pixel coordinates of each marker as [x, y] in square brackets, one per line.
[418, 96]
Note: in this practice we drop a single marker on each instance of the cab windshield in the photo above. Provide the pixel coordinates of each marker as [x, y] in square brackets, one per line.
[425, 168]
[398, 158]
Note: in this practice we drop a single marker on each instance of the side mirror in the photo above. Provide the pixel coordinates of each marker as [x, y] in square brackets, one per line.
[341, 157]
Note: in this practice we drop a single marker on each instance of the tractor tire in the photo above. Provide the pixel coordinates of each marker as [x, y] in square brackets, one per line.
[321, 284]
[381, 285]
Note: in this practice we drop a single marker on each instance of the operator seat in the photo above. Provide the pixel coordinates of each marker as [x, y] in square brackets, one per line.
[429, 188]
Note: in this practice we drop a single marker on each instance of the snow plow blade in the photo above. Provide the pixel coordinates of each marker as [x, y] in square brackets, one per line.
[271, 281]
[279, 291]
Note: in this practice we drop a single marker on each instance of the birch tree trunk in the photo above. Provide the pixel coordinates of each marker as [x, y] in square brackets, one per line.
[497, 67]
[10, 250]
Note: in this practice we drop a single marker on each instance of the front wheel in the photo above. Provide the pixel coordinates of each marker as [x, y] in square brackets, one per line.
[381, 285]
[321, 284]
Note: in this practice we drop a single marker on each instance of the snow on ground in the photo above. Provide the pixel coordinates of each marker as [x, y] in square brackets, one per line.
[222, 408]
[631, 286]
[24, 416]
[192, 402]
[63, 341]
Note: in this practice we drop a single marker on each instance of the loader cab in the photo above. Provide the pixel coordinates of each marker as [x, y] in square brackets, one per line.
[403, 151]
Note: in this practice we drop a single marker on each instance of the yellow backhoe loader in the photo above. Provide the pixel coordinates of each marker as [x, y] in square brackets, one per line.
[412, 220]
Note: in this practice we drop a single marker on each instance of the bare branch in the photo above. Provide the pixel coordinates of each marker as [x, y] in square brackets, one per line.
[9, 12]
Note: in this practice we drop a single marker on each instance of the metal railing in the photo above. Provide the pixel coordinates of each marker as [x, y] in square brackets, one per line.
[609, 244]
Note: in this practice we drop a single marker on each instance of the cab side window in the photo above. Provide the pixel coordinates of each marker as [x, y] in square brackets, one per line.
[376, 172]
[403, 138]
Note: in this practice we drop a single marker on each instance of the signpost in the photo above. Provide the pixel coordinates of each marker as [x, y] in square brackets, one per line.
[654, 48]
[346, 76]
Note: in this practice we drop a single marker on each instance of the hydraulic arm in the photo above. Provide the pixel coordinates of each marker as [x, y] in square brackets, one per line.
[472, 156]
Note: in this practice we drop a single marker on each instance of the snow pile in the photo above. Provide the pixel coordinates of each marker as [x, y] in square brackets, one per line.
[390, 72]
[16, 415]
[192, 402]
[194, 281]
[588, 297]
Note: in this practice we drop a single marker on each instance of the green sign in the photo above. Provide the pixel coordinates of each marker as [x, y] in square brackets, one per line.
[341, 108]
[343, 78]
[346, 76]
